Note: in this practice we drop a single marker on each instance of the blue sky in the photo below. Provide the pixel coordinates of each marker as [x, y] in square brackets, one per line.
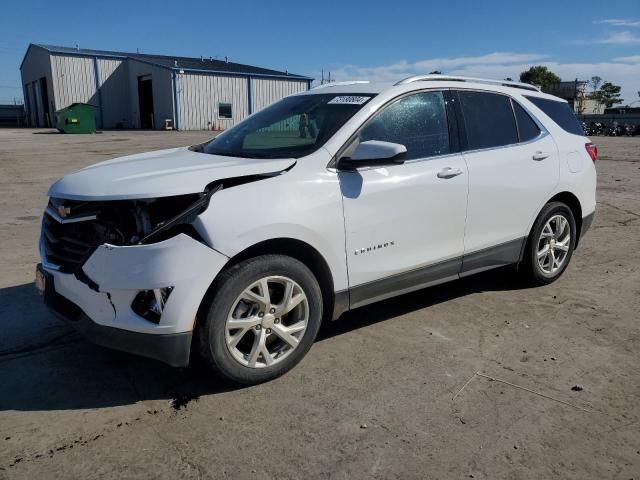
[354, 40]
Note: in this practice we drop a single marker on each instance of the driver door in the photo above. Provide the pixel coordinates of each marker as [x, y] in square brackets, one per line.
[405, 223]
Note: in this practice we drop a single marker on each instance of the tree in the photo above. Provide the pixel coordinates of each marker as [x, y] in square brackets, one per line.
[508, 79]
[608, 95]
[540, 76]
[435, 72]
[595, 83]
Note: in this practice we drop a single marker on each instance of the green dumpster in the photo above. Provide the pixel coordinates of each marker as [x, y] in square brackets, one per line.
[77, 118]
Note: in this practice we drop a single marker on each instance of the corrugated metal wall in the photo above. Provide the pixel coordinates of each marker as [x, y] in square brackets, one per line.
[266, 91]
[162, 92]
[200, 94]
[74, 80]
[114, 93]
[36, 65]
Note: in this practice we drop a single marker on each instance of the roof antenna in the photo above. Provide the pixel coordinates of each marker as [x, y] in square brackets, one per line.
[226, 59]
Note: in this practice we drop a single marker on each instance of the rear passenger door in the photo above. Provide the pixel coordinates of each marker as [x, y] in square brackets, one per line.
[513, 167]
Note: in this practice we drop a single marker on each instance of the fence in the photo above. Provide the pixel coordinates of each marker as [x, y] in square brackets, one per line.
[609, 118]
[12, 116]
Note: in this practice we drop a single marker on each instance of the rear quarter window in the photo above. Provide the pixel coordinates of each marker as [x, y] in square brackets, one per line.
[527, 128]
[559, 112]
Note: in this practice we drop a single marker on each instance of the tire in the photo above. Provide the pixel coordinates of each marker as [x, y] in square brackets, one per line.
[546, 234]
[247, 338]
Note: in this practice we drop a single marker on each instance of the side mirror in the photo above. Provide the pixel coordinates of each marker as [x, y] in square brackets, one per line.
[374, 153]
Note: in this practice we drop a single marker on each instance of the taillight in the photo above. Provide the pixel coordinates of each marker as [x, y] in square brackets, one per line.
[592, 150]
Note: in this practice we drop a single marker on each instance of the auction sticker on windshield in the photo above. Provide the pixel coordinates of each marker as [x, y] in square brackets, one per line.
[348, 100]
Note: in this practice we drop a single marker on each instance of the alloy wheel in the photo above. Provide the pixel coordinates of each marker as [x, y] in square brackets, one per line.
[267, 322]
[553, 245]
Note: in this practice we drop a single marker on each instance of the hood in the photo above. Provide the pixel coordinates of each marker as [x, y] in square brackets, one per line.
[163, 173]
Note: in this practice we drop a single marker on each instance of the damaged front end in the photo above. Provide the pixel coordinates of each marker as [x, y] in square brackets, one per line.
[73, 229]
[122, 257]
[132, 267]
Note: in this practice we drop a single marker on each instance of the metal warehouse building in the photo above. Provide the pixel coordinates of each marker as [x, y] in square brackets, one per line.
[134, 90]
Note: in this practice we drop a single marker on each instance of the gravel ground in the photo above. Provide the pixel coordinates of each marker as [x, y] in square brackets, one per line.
[472, 379]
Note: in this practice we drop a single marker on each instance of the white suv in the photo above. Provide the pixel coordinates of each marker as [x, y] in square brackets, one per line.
[325, 201]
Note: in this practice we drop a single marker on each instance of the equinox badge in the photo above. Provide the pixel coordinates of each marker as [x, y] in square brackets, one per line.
[360, 251]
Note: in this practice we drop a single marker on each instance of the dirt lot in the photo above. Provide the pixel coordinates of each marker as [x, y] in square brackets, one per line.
[467, 380]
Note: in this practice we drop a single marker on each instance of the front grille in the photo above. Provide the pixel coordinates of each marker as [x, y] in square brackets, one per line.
[68, 244]
[72, 229]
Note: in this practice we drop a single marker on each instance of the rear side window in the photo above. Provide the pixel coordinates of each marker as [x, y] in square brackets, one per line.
[527, 128]
[418, 121]
[488, 120]
[560, 112]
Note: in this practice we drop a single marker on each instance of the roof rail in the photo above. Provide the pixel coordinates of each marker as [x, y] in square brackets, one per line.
[332, 84]
[450, 78]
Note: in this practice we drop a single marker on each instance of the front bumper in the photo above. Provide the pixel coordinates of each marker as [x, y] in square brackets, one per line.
[173, 349]
[98, 302]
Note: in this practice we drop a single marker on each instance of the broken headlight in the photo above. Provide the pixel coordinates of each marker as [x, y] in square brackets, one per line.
[179, 222]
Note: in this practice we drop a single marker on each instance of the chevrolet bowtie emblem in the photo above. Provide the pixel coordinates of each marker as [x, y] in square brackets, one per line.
[64, 211]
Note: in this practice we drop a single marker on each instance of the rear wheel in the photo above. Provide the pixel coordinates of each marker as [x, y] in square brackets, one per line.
[550, 245]
[262, 320]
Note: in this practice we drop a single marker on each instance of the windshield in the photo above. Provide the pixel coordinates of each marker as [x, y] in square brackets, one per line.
[291, 128]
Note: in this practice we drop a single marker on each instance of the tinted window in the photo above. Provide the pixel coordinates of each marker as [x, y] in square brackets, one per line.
[419, 122]
[560, 112]
[488, 120]
[527, 128]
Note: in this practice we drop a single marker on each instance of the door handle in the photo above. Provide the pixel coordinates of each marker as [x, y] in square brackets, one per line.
[539, 155]
[449, 172]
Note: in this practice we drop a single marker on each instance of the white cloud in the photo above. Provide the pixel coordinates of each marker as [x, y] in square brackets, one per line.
[403, 68]
[631, 59]
[620, 38]
[623, 71]
[619, 22]
[497, 58]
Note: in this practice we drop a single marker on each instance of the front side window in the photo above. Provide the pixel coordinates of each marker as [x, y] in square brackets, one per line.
[291, 128]
[418, 121]
[488, 120]
[527, 128]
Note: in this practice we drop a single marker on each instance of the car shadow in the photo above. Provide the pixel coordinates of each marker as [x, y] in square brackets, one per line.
[45, 365]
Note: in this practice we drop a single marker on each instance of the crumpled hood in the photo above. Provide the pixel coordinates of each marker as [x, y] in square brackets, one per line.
[163, 173]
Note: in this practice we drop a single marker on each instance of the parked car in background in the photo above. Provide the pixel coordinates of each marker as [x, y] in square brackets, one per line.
[239, 248]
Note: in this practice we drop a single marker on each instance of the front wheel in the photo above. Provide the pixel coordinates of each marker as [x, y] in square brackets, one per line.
[550, 245]
[262, 320]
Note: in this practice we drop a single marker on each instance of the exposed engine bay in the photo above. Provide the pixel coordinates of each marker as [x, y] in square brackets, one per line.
[72, 229]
